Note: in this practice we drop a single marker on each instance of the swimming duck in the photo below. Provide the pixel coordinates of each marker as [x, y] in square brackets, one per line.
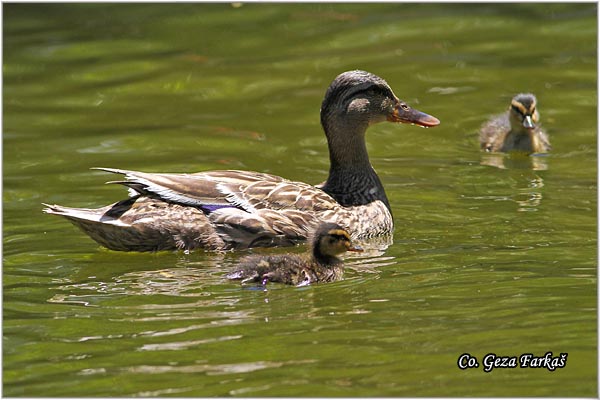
[222, 210]
[320, 264]
[517, 129]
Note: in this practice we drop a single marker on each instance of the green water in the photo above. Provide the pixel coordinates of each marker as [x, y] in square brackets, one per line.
[485, 259]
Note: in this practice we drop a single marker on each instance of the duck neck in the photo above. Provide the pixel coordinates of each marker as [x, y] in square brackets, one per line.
[324, 259]
[352, 180]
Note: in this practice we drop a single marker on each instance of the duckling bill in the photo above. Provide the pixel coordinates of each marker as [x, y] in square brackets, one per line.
[518, 129]
[320, 264]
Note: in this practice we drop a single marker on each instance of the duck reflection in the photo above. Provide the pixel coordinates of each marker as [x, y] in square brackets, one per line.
[520, 183]
[535, 162]
[529, 197]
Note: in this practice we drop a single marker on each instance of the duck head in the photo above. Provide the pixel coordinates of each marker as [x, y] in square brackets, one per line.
[362, 99]
[523, 114]
[330, 240]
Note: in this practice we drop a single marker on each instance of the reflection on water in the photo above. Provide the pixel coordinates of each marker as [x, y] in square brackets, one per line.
[186, 344]
[528, 201]
[536, 162]
[168, 282]
[373, 247]
[185, 281]
[525, 191]
[528, 196]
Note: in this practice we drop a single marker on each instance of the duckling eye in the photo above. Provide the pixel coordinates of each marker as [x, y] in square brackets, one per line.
[336, 238]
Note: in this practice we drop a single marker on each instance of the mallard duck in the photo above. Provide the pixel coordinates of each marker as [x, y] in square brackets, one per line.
[319, 264]
[222, 210]
[516, 130]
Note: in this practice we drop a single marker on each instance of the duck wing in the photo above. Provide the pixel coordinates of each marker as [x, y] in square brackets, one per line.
[493, 132]
[246, 209]
[213, 190]
[144, 224]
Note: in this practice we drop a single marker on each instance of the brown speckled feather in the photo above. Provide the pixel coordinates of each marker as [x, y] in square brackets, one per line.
[265, 210]
[298, 270]
[244, 189]
[144, 224]
[159, 215]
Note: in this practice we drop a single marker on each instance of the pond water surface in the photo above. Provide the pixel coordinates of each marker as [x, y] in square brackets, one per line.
[490, 254]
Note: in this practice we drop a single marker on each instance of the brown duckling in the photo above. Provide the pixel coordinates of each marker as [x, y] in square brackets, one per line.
[320, 264]
[517, 129]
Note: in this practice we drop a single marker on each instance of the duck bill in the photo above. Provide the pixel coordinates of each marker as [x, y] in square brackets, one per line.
[355, 248]
[409, 115]
[528, 123]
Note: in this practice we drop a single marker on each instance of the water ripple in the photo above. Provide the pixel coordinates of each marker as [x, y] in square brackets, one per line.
[186, 344]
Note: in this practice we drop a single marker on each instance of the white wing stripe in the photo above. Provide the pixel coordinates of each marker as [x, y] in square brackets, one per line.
[163, 192]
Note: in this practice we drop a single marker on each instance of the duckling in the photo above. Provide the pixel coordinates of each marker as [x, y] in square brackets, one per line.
[319, 264]
[517, 129]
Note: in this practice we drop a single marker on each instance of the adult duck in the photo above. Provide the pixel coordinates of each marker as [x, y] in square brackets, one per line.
[320, 264]
[221, 210]
[517, 130]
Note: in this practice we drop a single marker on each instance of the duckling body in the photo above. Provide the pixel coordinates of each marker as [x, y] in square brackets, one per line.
[320, 264]
[516, 130]
[221, 210]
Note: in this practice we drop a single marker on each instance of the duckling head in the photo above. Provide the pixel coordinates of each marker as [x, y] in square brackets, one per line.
[330, 240]
[523, 113]
[359, 98]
